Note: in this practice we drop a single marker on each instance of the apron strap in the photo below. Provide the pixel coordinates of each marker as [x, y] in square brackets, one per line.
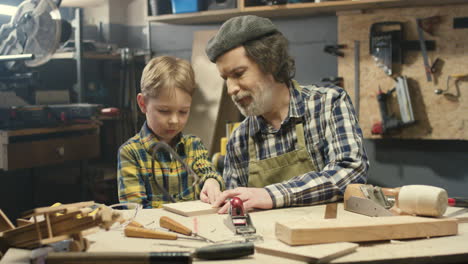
[252, 151]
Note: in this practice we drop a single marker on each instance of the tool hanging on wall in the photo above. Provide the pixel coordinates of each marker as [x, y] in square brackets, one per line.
[456, 78]
[422, 43]
[390, 122]
[387, 46]
[460, 22]
[334, 50]
[334, 80]
[428, 24]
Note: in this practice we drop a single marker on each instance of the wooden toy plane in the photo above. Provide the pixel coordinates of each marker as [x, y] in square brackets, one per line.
[54, 224]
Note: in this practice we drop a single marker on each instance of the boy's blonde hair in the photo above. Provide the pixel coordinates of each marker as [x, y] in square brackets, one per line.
[166, 73]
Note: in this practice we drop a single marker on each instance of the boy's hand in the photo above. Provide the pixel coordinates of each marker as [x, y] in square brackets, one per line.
[210, 191]
[252, 198]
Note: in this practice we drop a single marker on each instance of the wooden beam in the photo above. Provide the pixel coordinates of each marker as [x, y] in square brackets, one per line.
[307, 232]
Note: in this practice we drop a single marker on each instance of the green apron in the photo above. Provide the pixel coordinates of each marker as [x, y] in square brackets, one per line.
[280, 168]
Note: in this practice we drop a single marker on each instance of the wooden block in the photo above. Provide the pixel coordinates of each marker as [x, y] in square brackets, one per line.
[191, 208]
[310, 254]
[331, 210]
[307, 232]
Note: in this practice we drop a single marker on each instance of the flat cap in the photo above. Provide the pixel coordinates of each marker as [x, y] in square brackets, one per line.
[236, 31]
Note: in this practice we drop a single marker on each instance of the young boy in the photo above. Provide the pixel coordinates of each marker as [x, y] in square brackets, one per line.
[167, 86]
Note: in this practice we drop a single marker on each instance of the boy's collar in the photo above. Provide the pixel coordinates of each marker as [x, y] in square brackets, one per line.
[149, 139]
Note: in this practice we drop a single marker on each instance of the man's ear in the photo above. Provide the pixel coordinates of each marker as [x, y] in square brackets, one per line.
[141, 102]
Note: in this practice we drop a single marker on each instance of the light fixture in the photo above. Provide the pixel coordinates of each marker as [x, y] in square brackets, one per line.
[7, 10]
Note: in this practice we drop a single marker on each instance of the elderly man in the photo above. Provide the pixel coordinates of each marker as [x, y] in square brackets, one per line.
[298, 145]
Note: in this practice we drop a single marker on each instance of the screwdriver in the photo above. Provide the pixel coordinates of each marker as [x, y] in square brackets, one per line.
[175, 226]
[141, 232]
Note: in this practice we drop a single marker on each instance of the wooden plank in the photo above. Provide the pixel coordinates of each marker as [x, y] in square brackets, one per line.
[310, 253]
[209, 121]
[307, 232]
[47, 130]
[191, 208]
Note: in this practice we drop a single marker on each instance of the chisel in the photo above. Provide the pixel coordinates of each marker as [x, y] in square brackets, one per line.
[175, 226]
[140, 232]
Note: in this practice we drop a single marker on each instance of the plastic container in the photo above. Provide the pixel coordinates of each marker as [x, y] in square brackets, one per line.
[184, 6]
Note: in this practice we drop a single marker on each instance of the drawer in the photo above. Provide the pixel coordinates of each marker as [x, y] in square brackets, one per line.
[30, 154]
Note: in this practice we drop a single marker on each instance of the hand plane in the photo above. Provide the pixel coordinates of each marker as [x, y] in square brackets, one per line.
[421, 200]
[368, 200]
[239, 220]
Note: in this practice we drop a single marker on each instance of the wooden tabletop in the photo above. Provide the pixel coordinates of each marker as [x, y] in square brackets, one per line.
[435, 250]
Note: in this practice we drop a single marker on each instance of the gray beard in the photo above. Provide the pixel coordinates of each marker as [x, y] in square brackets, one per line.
[259, 105]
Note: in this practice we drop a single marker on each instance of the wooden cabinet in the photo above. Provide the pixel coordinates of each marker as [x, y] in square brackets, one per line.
[28, 148]
[290, 10]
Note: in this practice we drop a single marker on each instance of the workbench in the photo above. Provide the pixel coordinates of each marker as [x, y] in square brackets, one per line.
[433, 250]
[450, 249]
[33, 147]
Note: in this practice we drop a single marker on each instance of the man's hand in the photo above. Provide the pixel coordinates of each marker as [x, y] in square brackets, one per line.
[210, 191]
[252, 198]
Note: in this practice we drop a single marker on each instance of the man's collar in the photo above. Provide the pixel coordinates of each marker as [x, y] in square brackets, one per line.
[296, 111]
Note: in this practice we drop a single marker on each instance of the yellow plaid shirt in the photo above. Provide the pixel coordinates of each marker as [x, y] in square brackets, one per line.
[137, 174]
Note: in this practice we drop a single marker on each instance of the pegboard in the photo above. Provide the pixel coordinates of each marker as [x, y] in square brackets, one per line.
[437, 116]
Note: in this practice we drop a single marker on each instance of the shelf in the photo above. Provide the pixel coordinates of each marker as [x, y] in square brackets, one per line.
[298, 9]
[87, 55]
[46, 130]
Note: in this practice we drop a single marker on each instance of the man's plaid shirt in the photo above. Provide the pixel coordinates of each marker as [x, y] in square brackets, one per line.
[334, 143]
[136, 182]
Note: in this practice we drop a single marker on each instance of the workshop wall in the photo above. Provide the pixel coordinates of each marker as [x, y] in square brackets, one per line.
[307, 38]
[438, 116]
[396, 160]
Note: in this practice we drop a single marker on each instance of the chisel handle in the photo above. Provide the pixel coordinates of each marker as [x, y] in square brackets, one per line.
[132, 231]
[174, 226]
[225, 251]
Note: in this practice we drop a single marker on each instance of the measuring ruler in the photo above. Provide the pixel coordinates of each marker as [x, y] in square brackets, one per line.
[422, 43]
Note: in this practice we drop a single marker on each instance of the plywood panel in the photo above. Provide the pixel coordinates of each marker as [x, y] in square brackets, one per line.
[310, 254]
[438, 116]
[191, 208]
[308, 232]
[211, 107]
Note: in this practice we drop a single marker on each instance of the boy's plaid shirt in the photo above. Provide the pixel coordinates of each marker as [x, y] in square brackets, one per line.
[136, 182]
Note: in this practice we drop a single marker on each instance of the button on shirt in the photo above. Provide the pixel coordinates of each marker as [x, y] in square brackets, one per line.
[136, 182]
[333, 139]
